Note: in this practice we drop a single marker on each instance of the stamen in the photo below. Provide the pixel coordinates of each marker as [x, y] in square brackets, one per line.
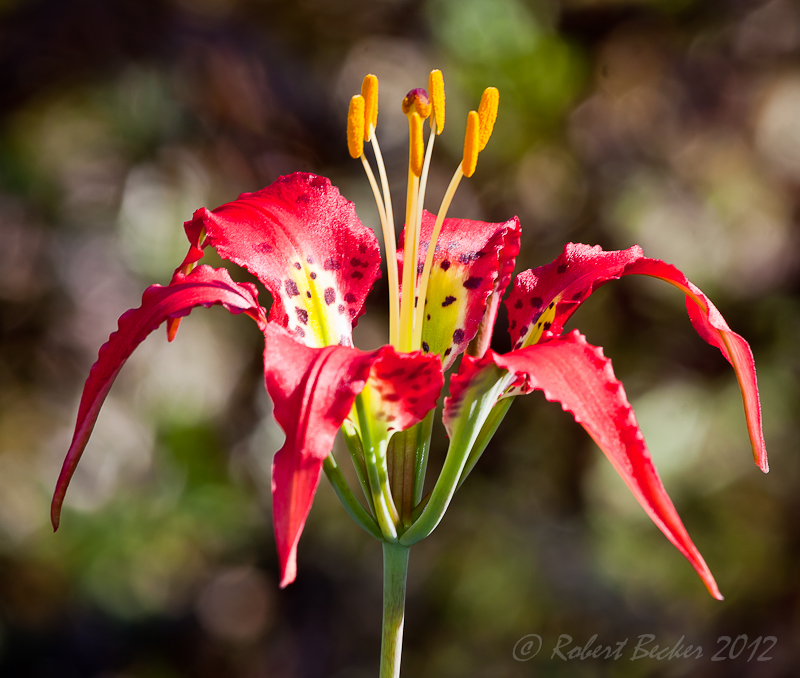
[369, 90]
[471, 144]
[355, 126]
[436, 89]
[416, 144]
[488, 114]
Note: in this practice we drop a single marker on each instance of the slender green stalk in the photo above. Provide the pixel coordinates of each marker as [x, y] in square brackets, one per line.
[477, 407]
[395, 569]
[488, 430]
[375, 458]
[357, 455]
[350, 503]
[421, 458]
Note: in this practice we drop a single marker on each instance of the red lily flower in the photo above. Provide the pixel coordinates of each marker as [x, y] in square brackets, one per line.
[304, 242]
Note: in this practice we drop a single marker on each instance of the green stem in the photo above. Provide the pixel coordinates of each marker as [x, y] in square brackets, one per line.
[421, 461]
[481, 399]
[395, 568]
[350, 503]
[375, 458]
[357, 455]
[494, 420]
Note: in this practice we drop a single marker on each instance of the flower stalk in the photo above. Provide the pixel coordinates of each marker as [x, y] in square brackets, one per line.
[395, 571]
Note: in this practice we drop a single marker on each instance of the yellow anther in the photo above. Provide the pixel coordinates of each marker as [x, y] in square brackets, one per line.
[471, 141]
[355, 126]
[417, 101]
[369, 90]
[416, 144]
[488, 114]
[436, 89]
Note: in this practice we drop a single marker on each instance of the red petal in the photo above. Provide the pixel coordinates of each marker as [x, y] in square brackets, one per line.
[205, 286]
[544, 298]
[577, 375]
[473, 260]
[408, 385]
[313, 390]
[304, 241]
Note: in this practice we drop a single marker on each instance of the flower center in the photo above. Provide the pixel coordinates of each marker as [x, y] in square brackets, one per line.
[407, 302]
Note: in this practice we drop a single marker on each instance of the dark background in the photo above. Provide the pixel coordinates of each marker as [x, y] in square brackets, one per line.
[671, 124]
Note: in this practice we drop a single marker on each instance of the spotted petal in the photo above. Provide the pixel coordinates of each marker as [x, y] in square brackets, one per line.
[313, 390]
[576, 374]
[544, 298]
[304, 241]
[205, 286]
[473, 261]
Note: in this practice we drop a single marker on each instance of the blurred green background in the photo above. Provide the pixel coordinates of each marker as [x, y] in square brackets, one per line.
[674, 124]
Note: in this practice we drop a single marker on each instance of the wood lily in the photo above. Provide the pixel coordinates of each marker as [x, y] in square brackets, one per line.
[304, 242]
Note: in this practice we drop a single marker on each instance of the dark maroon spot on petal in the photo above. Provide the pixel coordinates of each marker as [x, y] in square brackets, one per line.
[523, 330]
[536, 302]
[352, 313]
[561, 268]
[413, 400]
[332, 264]
[458, 336]
[391, 397]
[517, 345]
[547, 326]
[449, 299]
[518, 303]
[473, 283]
[425, 347]
[310, 260]
[362, 248]
[577, 295]
[512, 324]
[313, 275]
[302, 199]
[445, 265]
[416, 299]
[420, 267]
[300, 332]
[355, 261]
[308, 294]
[429, 315]
[468, 257]
[340, 308]
[265, 247]
[390, 418]
[448, 352]
[350, 298]
[291, 288]
[394, 374]
[286, 319]
[298, 265]
[302, 315]
[552, 303]
[357, 275]
[330, 295]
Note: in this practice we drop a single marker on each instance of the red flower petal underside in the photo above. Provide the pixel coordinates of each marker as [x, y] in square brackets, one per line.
[544, 298]
[205, 286]
[304, 241]
[312, 390]
[576, 374]
[473, 259]
[407, 386]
